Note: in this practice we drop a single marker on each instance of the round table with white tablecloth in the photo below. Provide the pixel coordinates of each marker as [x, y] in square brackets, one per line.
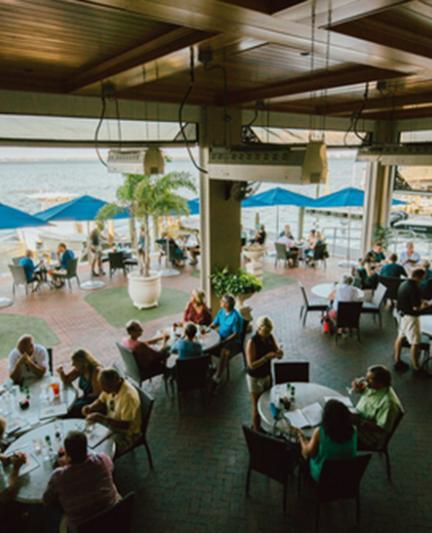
[31, 485]
[305, 394]
[323, 290]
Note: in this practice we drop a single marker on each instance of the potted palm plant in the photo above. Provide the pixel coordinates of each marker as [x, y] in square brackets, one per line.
[148, 197]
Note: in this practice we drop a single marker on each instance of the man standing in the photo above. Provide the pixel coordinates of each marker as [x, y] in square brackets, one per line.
[409, 307]
[118, 407]
[229, 324]
[27, 360]
[83, 485]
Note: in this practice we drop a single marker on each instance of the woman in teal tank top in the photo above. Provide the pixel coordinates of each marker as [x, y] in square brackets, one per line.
[336, 438]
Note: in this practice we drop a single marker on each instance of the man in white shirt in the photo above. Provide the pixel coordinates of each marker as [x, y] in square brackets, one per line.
[344, 292]
[409, 257]
[27, 360]
[287, 241]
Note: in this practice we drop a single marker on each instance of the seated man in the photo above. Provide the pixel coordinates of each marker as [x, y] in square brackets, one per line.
[409, 257]
[187, 346]
[117, 407]
[64, 256]
[292, 252]
[149, 360]
[344, 292]
[393, 269]
[29, 267]
[27, 360]
[229, 323]
[377, 253]
[83, 484]
[377, 408]
[287, 231]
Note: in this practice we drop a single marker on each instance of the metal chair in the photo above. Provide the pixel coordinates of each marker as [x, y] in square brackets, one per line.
[314, 305]
[242, 348]
[340, 480]
[16, 260]
[117, 518]
[281, 254]
[146, 406]
[392, 285]
[271, 457]
[192, 374]
[290, 371]
[375, 306]
[383, 449]
[132, 371]
[71, 272]
[348, 316]
[116, 262]
[19, 278]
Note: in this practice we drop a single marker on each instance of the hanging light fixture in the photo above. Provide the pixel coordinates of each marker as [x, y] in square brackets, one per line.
[154, 161]
[315, 164]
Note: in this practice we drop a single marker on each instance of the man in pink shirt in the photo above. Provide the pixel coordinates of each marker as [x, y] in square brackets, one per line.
[84, 485]
[150, 361]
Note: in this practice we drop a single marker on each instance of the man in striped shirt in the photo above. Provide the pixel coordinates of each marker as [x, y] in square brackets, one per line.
[84, 486]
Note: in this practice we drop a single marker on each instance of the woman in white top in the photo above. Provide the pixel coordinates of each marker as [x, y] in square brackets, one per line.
[343, 292]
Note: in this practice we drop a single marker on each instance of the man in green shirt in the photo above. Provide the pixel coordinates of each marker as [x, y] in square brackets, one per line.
[377, 409]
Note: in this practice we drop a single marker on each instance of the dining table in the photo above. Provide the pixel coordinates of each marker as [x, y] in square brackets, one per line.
[33, 403]
[324, 290]
[41, 446]
[306, 394]
[207, 337]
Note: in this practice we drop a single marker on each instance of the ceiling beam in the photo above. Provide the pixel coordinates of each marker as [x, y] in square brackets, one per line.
[321, 80]
[355, 10]
[149, 51]
[216, 16]
[384, 102]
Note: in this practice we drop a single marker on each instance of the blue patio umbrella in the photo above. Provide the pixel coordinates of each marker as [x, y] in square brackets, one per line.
[83, 208]
[194, 206]
[11, 218]
[276, 197]
[348, 197]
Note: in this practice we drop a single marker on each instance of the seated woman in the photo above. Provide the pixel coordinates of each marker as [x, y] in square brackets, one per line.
[260, 236]
[86, 368]
[336, 438]
[260, 350]
[188, 346]
[149, 360]
[313, 239]
[367, 273]
[196, 310]
[175, 254]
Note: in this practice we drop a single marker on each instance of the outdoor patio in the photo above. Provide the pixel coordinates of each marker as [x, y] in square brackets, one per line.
[200, 455]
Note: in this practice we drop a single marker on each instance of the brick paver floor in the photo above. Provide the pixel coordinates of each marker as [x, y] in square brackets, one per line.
[200, 456]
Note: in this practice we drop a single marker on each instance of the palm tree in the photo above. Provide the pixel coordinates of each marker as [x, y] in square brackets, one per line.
[147, 197]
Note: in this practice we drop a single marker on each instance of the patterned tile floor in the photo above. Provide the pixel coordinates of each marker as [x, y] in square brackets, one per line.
[200, 456]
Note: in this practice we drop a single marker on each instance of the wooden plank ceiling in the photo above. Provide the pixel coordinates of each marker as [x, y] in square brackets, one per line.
[143, 48]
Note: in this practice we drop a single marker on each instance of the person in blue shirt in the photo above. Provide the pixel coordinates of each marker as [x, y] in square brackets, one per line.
[187, 347]
[393, 269]
[29, 267]
[229, 324]
[64, 256]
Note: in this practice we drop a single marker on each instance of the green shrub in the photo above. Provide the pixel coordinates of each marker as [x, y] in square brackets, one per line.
[240, 282]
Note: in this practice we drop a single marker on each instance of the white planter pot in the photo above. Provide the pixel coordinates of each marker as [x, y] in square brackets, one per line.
[144, 292]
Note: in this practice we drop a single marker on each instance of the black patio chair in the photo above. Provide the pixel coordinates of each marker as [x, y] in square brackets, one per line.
[392, 285]
[310, 306]
[19, 278]
[271, 457]
[340, 480]
[69, 273]
[348, 317]
[290, 371]
[383, 449]
[281, 254]
[146, 407]
[374, 307]
[116, 262]
[192, 374]
[132, 371]
[117, 518]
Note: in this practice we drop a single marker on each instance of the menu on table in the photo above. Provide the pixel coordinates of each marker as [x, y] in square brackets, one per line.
[52, 410]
